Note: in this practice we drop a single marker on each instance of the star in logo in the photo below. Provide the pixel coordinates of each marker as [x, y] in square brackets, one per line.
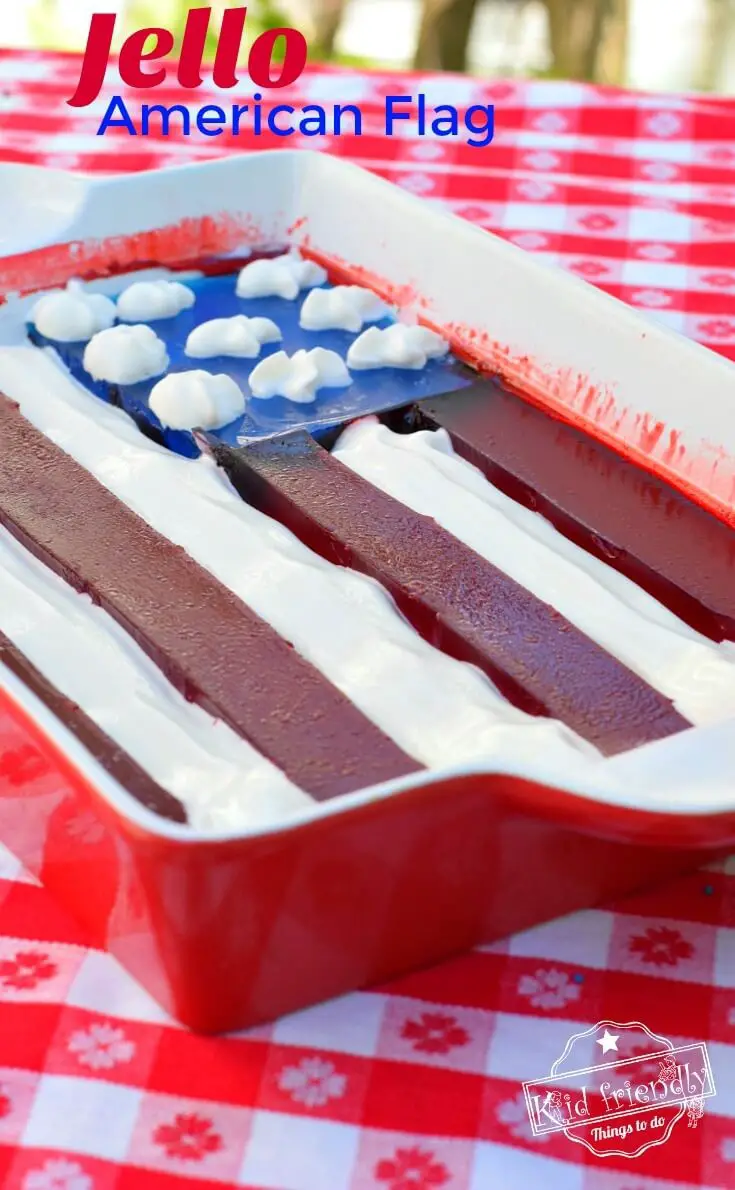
[608, 1041]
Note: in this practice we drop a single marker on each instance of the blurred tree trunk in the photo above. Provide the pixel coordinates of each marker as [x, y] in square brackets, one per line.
[327, 19]
[715, 45]
[444, 34]
[587, 35]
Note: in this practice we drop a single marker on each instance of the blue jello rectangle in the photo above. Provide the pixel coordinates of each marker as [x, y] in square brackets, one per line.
[373, 391]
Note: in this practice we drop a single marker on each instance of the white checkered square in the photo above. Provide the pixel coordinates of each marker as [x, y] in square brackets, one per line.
[675, 320]
[661, 226]
[582, 939]
[523, 1048]
[80, 1115]
[722, 1061]
[102, 985]
[516, 1169]
[291, 1153]
[350, 1025]
[557, 94]
[334, 88]
[652, 275]
[12, 869]
[724, 970]
[458, 90]
[677, 151]
[532, 216]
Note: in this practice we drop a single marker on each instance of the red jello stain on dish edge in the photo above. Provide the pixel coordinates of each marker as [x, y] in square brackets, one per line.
[707, 478]
[193, 243]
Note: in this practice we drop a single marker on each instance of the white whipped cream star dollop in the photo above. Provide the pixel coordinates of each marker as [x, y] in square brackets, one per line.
[344, 308]
[280, 276]
[72, 315]
[149, 301]
[196, 400]
[300, 376]
[238, 336]
[398, 346]
[125, 355]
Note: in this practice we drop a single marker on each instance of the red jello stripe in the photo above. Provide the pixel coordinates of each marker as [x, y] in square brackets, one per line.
[208, 643]
[456, 599]
[110, 755]
[631, 520]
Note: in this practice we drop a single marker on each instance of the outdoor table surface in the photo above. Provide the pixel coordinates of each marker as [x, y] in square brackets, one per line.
[416, 1085]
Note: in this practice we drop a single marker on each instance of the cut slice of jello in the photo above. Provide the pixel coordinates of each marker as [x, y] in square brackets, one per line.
[630, 519]
[454, 597]
[208, 643]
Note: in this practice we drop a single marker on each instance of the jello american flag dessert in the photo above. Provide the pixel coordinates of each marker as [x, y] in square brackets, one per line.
[266, 543]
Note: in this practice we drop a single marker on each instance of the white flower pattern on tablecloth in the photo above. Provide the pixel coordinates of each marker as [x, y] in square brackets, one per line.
[427, 152]
[660, 171]
[651, 297]
[65, 161]
[58, 1174]
[532, 241]
[548, 988]
[417, 183]
[655, 251]
[541, 160]
[535, 190]
[663, 124]
[551, 122]
[101, 1047]
[312, 1082]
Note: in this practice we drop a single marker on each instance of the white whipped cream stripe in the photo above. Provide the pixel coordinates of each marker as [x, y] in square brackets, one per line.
[439, 710]
[423, 472]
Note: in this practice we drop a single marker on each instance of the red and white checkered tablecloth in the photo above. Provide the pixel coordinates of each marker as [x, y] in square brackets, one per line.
[414, 1086]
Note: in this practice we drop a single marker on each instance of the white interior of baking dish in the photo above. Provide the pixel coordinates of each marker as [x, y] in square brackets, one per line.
[589, 353]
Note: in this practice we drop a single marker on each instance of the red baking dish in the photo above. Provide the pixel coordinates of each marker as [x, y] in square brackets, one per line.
[230, 931]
